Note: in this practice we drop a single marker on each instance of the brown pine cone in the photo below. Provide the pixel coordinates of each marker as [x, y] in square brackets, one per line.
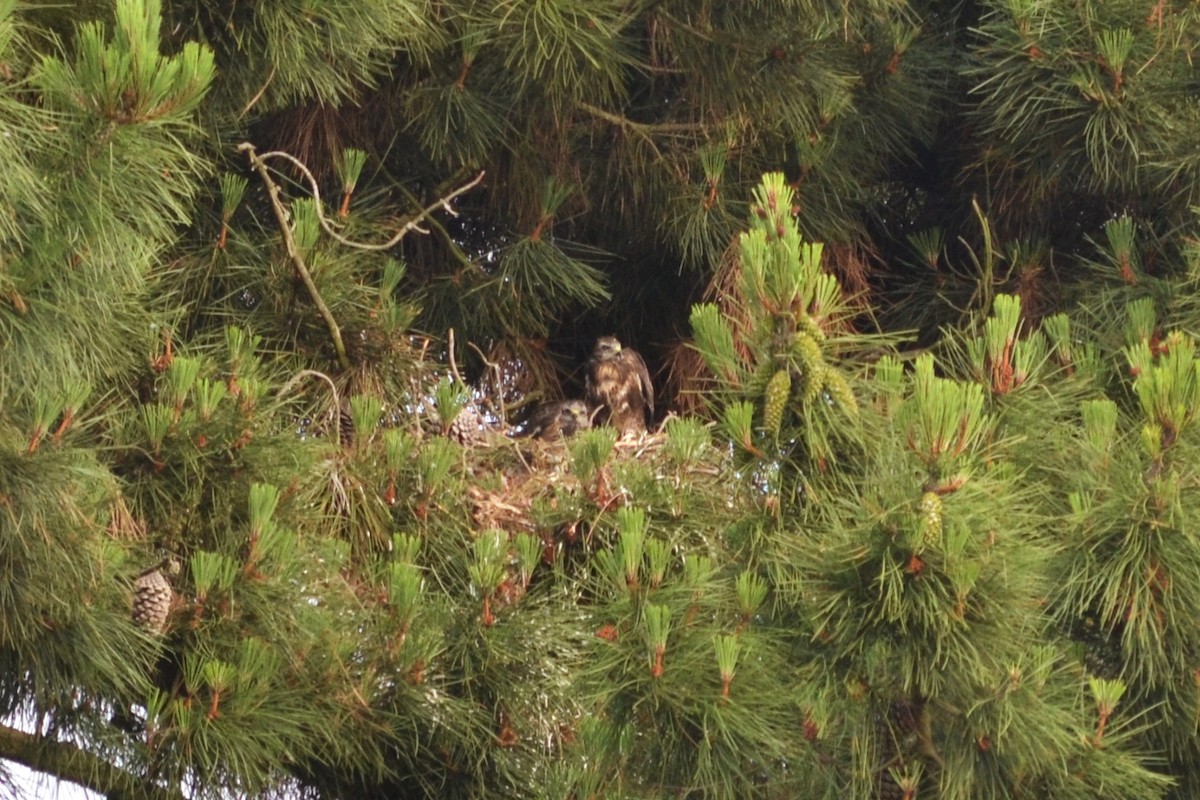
[152, 598]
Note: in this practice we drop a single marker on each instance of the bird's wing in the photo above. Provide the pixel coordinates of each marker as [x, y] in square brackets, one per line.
[542, 418]
[643, 375]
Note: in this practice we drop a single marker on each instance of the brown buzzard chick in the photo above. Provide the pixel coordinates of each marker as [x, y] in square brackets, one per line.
[558, 420]
[619, 388]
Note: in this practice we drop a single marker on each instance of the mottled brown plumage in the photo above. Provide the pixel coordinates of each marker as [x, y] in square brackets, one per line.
[557, 420]
[619, 388]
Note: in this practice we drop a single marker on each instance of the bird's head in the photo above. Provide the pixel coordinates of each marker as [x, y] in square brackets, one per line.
[574, 414]
[606, 347]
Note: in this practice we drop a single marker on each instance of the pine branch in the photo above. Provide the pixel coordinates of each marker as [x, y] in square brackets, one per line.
[306, 373]
[643, 130]
[294, 252]
[642, 127]
[455, 250]
[413, 224]
[70, 763]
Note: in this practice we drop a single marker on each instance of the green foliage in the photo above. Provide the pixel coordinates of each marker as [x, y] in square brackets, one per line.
[962, 567]
[1100, 89]
[772, 352]
[127, 80]
[279, 54]
[1129, 555]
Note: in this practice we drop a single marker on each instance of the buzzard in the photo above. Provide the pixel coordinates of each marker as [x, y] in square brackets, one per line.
[618, 387]
[560, 419]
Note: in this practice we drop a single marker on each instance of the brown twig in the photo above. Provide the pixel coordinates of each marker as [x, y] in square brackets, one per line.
[499, 384]
[257, 95]
[306, 373]
[452, 359]
[413, 224]
[293, 252]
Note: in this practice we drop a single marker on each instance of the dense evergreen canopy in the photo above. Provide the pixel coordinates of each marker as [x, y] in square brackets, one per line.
[280, 281]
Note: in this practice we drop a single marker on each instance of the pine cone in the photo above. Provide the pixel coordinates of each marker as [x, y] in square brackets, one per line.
[467, 428]
[931, 518]
[839, 389]
[809, 325]
[775, 401]
[152, 596]
[808, 352]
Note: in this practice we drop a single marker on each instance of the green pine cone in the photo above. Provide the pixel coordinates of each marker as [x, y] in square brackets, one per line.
[807, 351]
[839, 389]
[808, 325]
[775, 401]
[931, 518]
[814, 381]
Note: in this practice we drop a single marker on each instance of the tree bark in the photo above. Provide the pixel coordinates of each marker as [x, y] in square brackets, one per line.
[67, 762]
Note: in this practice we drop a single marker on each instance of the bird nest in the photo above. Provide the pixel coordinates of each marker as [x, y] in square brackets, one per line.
[532, 472]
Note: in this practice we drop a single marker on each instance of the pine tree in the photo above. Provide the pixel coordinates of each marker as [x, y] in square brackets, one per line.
[273, 279]
[915, 572]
